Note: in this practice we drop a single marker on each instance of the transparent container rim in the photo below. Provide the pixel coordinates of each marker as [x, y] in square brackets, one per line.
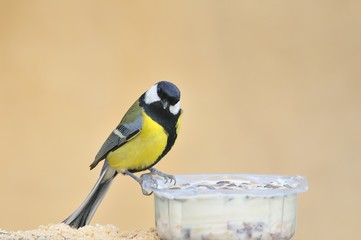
[299, 184]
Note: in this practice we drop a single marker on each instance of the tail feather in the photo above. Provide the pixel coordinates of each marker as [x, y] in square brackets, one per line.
[83, 215]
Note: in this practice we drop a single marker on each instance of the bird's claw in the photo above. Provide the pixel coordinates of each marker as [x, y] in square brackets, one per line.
[167, 177]
[147, 183]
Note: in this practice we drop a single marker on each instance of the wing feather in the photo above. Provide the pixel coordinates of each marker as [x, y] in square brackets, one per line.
[128, 128]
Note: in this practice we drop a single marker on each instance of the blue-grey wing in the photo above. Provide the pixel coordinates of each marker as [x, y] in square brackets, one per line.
[119, 136]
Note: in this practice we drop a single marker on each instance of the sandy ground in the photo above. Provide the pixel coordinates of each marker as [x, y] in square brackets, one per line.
[62, 231]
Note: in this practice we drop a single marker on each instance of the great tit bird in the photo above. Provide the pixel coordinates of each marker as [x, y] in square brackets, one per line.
[143, 137]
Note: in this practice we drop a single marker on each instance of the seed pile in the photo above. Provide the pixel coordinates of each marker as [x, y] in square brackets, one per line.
[62, 231]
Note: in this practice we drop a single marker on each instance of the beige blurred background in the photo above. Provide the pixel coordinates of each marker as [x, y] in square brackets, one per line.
[269, 87]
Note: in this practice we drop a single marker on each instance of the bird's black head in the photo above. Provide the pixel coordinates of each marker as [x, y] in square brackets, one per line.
[165, 93]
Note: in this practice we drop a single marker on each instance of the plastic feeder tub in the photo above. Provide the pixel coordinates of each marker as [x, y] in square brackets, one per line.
[228, 206]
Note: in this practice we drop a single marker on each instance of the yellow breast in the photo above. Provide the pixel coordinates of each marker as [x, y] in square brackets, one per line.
[141, 151]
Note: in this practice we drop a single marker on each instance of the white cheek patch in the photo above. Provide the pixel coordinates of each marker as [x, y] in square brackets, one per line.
[151, 95]
[174, 109]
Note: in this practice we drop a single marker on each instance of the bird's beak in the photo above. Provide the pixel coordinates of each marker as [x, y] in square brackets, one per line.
[165, 103]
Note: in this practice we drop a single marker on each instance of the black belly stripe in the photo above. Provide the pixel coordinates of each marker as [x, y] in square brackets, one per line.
[167, 120]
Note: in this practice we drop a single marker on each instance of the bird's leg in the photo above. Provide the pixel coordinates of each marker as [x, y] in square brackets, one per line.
[126, 172]
[146, 181]
[167, 177]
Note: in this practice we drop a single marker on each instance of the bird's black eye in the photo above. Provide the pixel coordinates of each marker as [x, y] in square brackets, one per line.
[160, 92]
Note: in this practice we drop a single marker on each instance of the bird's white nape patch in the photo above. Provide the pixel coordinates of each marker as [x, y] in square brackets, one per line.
[174, 109]
[118, 133]
[151, 95]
